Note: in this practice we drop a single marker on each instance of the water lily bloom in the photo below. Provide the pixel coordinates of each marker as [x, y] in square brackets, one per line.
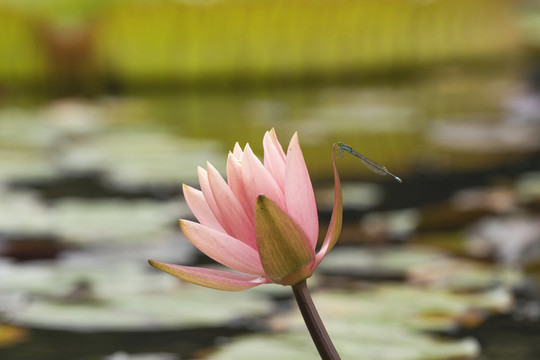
[261, 223]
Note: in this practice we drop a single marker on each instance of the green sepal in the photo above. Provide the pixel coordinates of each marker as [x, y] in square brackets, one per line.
[283, 247]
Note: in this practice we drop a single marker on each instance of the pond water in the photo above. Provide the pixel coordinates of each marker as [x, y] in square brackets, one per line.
[90, 189]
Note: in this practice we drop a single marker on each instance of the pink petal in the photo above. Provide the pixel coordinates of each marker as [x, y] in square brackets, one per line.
[208, 196]
[299, 192]
[334, 229]
[241, 226]
[257, 180]
[237, 151]
[274, 157]
[236, 183]
[198, 205]
[211, 278]
[223, 248]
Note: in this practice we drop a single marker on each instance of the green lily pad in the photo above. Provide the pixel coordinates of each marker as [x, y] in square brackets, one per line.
[459, 274]
[80, 221]
[23, 212]
[408, 307]
[359, 260]
[28, 129]
[19, 165]
[385, 346]
[116, 220]
[120, 297]
[142, 157]
[174, 310]
[355, 195]
[122, 355]
[387, 322]
[528, 187]
[418, 264]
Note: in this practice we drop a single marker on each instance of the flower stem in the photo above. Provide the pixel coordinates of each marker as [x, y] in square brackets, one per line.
[313, 322]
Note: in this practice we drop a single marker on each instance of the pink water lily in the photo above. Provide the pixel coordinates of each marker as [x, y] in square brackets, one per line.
[261, 223]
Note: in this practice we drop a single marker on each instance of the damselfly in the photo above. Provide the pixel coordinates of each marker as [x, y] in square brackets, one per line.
[370, 164]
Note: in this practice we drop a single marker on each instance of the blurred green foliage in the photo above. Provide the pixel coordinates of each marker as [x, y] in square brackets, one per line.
[93, 44]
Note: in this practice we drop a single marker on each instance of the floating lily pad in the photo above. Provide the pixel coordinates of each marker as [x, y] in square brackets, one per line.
[174, 310]
[528, 187]
[121, 296]
[357, 260]
[512, 240]
[23, 129]
[141, 158]
[394, 224]
[23, 212]
[418, 264]
[356, 195]
[19, 165]
[121, 355]
[408, 307]
[83, 221]
[480, 136]
[461, 274]
[79, 221]
[387, 322]
[383, 346]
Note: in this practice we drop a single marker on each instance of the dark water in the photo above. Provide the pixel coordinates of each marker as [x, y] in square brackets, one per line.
[56, 345]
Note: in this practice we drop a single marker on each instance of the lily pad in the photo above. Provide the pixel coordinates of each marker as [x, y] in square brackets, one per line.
[121, 355]
[174, 310]
[408, 307]
[24, 165]
[359, 196]
[119, 297]
[23, 212]
[387, 322]
[459, 274]
[83, 221]
[132, 158]
[22, 129]
[79, 221]
[357, 260]
[528, 187]
[385, 346]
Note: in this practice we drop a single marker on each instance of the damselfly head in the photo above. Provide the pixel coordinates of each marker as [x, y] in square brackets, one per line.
[339, 149]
